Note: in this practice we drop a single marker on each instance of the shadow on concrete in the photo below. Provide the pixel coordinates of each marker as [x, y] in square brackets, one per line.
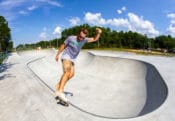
[6, 76]
[4, 67]
[157, 90]
[69, 93]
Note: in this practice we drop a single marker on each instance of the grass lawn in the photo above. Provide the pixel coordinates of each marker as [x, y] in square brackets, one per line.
[138, 51]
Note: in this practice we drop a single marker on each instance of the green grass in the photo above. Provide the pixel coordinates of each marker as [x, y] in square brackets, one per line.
[137, 51]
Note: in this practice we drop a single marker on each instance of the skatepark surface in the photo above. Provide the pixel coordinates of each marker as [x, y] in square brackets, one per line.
[107, 86]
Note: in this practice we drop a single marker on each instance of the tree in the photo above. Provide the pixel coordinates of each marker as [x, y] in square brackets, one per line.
[5, 35]
[110, 39]
[165, 42]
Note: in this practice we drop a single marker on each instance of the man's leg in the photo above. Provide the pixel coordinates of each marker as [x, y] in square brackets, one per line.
[68, 73]
[71, 71]
[64, 79]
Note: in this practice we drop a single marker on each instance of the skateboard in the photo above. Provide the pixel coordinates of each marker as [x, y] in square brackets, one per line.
[62, 102]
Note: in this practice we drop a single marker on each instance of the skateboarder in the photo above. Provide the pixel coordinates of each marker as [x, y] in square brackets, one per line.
[71, 48]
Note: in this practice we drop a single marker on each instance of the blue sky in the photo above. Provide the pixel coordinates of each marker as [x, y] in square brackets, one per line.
[35, 20]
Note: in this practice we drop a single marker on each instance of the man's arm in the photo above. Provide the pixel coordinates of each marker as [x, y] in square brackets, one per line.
[62, 47]
[97, 36]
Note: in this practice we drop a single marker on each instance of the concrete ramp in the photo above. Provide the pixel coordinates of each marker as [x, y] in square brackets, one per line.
[109, 87]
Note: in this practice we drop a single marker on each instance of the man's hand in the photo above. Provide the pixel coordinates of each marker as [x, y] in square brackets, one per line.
[57, 57]
[98, 30]
[62, 47]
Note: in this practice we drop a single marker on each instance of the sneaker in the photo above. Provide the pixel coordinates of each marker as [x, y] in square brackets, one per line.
[57, 95]
[61, 96]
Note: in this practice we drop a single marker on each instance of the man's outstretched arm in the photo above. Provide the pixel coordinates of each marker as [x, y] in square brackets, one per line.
[97, 36]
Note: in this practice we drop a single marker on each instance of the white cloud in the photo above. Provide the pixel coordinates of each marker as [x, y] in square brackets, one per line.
[171, 27]
[171, 15]
[54, 3]
[43, 35]
[120, 11]
[32, 7]
[46, 34]
[74, 21]
[51, 2]
[140, 25]
[57, 31]
[10, 4]
[123, 8]
[23, 12]
[27, 10]
[133, 23]
[118, 22]
[95, 19]
[11, 9]
[7, 8]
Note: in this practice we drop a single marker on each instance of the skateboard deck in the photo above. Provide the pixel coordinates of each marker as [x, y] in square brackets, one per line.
[61, 102]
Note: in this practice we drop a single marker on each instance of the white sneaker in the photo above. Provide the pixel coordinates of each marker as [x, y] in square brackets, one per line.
[61, 96]
[57, 93]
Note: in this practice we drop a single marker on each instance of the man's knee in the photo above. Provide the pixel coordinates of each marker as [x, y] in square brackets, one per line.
[71, 75]
[67, 73]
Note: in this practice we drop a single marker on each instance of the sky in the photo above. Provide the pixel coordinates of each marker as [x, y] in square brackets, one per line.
[31, 21]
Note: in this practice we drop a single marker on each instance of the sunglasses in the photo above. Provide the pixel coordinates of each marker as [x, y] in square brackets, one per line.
[84, 32]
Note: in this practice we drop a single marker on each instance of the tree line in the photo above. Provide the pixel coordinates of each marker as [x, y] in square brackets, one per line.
[5, 36]
[110, 39]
